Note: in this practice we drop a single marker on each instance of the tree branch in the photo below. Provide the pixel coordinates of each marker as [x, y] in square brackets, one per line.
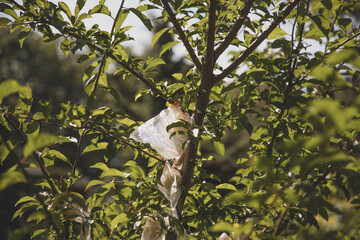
[36, 156]
[209, 57]
[202, 100]
[347, 40]
[34, 190]
[257, 42]
[182, 36]
[235, 29]
[281, 217]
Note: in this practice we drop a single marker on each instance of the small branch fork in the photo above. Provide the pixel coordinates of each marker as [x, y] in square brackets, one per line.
[235, 29]
[257, 42]
[182, 35]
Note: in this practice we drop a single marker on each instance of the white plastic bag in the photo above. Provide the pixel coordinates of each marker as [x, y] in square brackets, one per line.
[152, 231]
[171, 180]
[154, 132]
[224, 236]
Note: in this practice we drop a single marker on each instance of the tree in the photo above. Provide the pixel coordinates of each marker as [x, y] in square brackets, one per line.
[296, 106]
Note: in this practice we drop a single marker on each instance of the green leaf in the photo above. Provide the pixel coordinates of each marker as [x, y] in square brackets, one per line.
[65, 47]
[113, 173]
[9, 87]
[4, 152]
[54, 154]
[66, 9]
[278, 32]
[24, 33]
[226, 186]
[155, 62]
[80, 4]
[174, 87]
[25, 199]
[94, 183]
[119, 219]
[223, 227]
[178, 76]
[95, 147]
[167, 46]
[219, 147]
[145, 20]
[4, 21]
[121, 53]
[39, 233]
[9, 178]
[101, 166]
[39, 141]
[327, 4]
[140, 93]
[100, 8]
[120, 20]
[158, 35]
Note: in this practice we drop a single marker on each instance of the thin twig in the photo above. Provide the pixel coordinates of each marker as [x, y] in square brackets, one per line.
[235, 29]
[116, 18]
[332, 25]
[182, 35]
[94, 128]
[78, 153]
[347, 40]
[257, 42]
[33, 188]
[37, 157]
[280, 219]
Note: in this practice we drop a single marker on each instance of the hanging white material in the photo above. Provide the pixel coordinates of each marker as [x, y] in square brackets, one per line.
[152, 231]
[154, 132]
[224, 236]
[171, 180]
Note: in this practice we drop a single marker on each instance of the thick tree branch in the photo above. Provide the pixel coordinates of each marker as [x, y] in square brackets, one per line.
[209, 57]
[182, 35]
[235, 29]
[257, 42]
[207, 82]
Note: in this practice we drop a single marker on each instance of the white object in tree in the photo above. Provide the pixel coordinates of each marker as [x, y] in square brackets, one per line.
[153, 231]
[154, 132]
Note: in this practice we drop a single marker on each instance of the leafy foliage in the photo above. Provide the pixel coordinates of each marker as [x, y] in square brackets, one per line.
[288, 123]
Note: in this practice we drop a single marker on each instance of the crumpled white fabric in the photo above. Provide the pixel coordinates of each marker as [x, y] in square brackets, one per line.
[171, 180]
[153, 231]
[154, 132]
